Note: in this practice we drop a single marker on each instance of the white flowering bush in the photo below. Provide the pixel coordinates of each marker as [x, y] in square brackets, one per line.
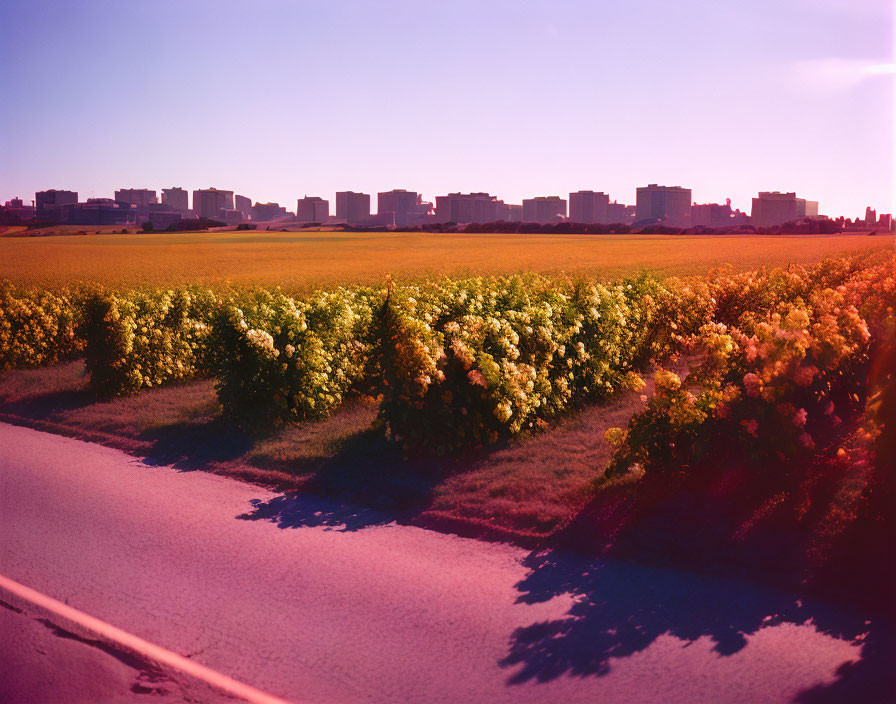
[141, 339]
[281, 359]
[38, 327]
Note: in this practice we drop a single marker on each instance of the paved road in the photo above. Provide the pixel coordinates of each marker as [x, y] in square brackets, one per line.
[43, 662]
[316, 602]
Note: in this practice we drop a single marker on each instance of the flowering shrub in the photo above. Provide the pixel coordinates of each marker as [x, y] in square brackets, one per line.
[770, 387]
[469, 362]
[37, 327]
[140, 339]
[281, 359]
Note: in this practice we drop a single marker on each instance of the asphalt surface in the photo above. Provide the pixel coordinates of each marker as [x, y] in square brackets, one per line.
[313, 601]
[45, 661]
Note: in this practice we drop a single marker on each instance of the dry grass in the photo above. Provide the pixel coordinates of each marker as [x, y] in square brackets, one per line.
[303, 260]
[526, 489]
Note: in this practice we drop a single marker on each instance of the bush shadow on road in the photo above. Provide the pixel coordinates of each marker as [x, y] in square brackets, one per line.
[620, 609]
[812, 554]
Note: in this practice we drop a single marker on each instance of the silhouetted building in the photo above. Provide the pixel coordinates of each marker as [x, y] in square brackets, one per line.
[176, 198]
[870, 216]
[161, 215]
[353, 207]
[886, 222]
[98, 211]
[470, 207]
[15, 212]
[773, 208]
[46, 203]
[806, 208]
[620, 213]
[670, 204]
[508, 212]
[312, 209]
[232, 217]
[140, 197]
[211, 203]
[243, 205]
[588, 207]
[407, 207]
[544, 209]
[268, 211]
[716, 215]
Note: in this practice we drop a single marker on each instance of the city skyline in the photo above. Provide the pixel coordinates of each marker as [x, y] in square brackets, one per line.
[546, 98]
[583, 205]
[655, 204]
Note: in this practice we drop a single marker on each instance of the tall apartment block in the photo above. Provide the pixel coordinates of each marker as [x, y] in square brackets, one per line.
[806, 208]
[312, 209]
[243, 206]
[141, 197]
[589, 207]
[471, 207]
[670, 204]
[716, 215]
[46, 201]
[176, 198]
[353, 207]
[408, 207]
[772, 208]
[544, 209]
[211, 203]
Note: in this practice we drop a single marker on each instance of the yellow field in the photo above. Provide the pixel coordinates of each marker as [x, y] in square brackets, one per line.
[302, 260]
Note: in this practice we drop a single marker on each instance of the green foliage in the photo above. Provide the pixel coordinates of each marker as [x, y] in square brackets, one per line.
[469, 362]
[783, 375]
[282, 360]
[38, 327]
[141, 339]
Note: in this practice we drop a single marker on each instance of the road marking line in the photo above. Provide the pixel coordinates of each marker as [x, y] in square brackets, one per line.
[140, 646]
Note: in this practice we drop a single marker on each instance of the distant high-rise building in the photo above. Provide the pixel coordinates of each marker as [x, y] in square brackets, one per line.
[312, 209]
[773, 208]
[141, 197]
[243, 205]
[470, 207]
[716, 215]
[806, 208]
[408, 207]
[544, 209]
[267, 211]
[620, 213]
[100, 211]
[588, 207]
[15, 212]
[211, 203]
[508, 212]
[886, 222]
[176, 198]
[353, 207]
[45, 201]
[870, 216]
[670, 204]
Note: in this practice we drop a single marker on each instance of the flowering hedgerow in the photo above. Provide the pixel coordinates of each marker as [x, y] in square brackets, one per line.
[469, 362]
[38, 327]
[773, 383]
[141, 339]
[281, 359]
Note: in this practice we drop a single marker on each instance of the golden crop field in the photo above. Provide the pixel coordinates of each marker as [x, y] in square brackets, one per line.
[303, 260]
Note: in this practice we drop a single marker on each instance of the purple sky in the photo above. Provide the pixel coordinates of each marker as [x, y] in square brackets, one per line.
[280, 99]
